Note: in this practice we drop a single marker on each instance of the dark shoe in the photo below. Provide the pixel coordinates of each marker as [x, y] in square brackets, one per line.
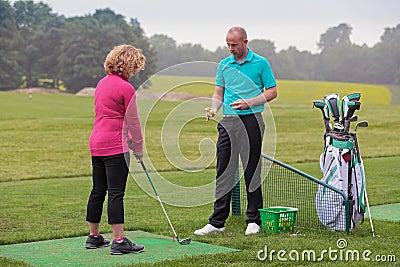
[125, 247]
[96, 242]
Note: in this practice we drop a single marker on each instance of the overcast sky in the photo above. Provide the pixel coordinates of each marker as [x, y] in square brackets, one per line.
[285, 22]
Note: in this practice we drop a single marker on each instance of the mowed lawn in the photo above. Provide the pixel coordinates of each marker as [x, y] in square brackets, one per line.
[45, 168]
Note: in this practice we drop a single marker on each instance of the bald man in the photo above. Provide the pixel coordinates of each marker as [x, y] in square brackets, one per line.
[244, 83]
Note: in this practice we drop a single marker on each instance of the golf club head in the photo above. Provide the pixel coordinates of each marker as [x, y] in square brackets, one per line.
[345, 107]
[185, 241]
[363, 124]
[322, 106]
[332, 101]
[348, 98]
[353, 97]
[349, 107]
[352, 106]
[354, 118]
[325, 113]
[319, 104]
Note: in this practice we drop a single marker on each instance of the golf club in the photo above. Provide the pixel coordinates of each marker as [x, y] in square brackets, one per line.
[354, 118]
[325, 112]
[361, 124]
[332, 101]
[351, 107]
[347, 103]
[365, 124]
[185, 241]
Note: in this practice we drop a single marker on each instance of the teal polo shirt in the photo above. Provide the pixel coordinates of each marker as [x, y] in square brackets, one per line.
[244, 80]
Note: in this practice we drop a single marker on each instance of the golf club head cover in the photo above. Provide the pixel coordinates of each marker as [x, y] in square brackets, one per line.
[325, 112]
[345, 101]
[322, 106]
[332, 101]
[351, 107]
[354, 97]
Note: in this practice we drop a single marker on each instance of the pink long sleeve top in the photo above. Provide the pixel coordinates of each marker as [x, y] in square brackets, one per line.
[116, 118]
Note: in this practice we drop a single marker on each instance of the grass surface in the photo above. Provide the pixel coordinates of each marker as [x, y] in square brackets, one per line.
[48, 137]
[45, 175]
[289, 91]
[55, 208]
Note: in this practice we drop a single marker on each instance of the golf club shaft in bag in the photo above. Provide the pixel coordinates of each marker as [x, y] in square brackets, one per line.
[185, 241]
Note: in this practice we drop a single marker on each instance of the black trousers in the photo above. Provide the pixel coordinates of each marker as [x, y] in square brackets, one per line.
[110, 174]
[238, 135]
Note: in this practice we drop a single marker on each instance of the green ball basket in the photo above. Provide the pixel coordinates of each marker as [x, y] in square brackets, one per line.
[278, 219]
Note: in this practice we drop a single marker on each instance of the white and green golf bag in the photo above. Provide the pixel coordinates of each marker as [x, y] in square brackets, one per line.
[343, 169]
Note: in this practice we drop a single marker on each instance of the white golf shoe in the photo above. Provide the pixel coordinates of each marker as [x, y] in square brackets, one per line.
[252, 228]
[209, 229]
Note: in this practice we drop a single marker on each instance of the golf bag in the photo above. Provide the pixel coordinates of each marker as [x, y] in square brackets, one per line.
[342, 168]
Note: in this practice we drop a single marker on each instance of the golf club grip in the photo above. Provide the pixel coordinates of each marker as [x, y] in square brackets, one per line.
[143, 166]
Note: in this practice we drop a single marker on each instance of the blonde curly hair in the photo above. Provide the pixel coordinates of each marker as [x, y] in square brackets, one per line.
[124, 61]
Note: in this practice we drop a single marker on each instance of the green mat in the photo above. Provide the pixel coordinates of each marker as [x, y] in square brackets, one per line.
[389, 212]
[72, 252]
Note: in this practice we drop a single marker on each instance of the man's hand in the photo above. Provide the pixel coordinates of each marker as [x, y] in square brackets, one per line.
[239, 104]
[210, 113]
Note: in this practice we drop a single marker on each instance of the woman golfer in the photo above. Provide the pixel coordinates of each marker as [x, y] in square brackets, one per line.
[114, 106]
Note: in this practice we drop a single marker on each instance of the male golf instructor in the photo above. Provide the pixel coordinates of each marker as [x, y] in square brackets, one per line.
[244, 83]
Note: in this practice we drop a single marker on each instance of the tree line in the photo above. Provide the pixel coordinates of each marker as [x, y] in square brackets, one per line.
[338, 60]
[41, 48]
